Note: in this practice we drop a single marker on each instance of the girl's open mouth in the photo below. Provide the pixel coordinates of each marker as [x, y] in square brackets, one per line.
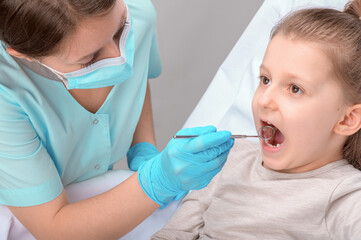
[277, 140]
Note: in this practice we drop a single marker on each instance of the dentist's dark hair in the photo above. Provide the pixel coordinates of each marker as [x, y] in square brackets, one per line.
[35, 28]
[339, 35]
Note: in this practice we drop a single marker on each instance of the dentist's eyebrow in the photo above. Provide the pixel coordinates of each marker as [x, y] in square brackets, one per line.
[119, 29]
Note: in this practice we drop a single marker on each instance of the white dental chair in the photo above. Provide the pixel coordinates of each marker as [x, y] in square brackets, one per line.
[226, 105]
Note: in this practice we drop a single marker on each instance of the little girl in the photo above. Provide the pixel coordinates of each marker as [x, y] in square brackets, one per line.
[304, 183]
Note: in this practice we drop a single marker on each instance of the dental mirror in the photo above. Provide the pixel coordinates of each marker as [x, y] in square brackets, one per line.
[264, 133]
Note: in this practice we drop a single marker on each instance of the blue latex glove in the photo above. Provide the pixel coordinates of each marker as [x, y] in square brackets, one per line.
[140, 153]
[185, 164]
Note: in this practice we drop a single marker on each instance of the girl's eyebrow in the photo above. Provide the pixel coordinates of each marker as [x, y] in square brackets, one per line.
[264, 68]
[121, 26]
[291, 75]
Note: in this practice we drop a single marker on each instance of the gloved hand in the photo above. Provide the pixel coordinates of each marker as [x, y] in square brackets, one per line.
[140, 153]
[185, 164]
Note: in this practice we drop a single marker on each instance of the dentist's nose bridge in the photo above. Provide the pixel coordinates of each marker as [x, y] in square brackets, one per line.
[111, 50]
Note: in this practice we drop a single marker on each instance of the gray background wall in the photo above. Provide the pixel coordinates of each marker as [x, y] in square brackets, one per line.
[195, 37]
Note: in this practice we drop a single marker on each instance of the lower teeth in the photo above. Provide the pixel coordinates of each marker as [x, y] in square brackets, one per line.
[270, 145]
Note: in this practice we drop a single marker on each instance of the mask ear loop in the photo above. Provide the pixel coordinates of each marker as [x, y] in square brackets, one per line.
[57, 73]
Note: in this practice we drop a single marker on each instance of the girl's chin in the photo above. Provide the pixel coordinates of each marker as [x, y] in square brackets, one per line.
[277, 167]
[273, 167]
[274, 161]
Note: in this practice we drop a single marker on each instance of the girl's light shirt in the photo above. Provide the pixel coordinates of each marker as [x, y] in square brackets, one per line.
[48, 140]
[247, 201]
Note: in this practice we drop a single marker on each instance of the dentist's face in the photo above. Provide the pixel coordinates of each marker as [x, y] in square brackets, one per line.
[94, 39]
[298, 94]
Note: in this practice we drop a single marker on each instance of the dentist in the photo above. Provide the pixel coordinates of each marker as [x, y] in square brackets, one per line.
[74, 98]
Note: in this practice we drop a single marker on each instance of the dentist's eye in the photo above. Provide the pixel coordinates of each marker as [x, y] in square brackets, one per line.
[84, 65]
[264, 80]
[92, 61]
[295, 89]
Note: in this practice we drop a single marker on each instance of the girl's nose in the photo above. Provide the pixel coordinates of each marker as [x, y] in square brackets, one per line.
[268, 98]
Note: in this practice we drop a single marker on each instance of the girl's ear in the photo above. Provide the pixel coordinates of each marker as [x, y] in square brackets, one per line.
[350, 123]
[16, 54]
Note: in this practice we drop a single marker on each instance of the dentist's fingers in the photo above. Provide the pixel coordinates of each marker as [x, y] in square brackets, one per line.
[217, 151]
[207, 141]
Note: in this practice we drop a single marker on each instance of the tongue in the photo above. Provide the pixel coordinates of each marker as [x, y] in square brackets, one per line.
[279, 138]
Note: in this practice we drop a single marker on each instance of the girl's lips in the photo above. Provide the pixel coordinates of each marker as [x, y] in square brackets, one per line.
[272, 149]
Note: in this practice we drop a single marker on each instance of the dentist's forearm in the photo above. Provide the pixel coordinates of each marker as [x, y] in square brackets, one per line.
[107, 216]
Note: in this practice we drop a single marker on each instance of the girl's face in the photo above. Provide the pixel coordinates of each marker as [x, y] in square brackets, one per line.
[299, 95]
[93, 40]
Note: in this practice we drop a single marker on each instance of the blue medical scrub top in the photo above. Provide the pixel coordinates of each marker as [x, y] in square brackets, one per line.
[48, 140]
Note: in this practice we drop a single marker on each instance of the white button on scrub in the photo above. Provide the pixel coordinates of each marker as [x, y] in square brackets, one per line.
[96, 121]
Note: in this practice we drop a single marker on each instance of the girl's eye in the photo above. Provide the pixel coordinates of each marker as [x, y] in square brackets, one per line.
[265, 80]
[295, 89]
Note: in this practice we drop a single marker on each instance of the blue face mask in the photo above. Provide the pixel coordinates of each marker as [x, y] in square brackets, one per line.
[106, 72]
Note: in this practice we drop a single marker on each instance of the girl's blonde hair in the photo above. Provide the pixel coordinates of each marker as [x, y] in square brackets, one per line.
[339, 34]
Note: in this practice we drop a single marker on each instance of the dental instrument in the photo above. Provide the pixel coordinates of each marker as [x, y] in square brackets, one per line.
[265, 133]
